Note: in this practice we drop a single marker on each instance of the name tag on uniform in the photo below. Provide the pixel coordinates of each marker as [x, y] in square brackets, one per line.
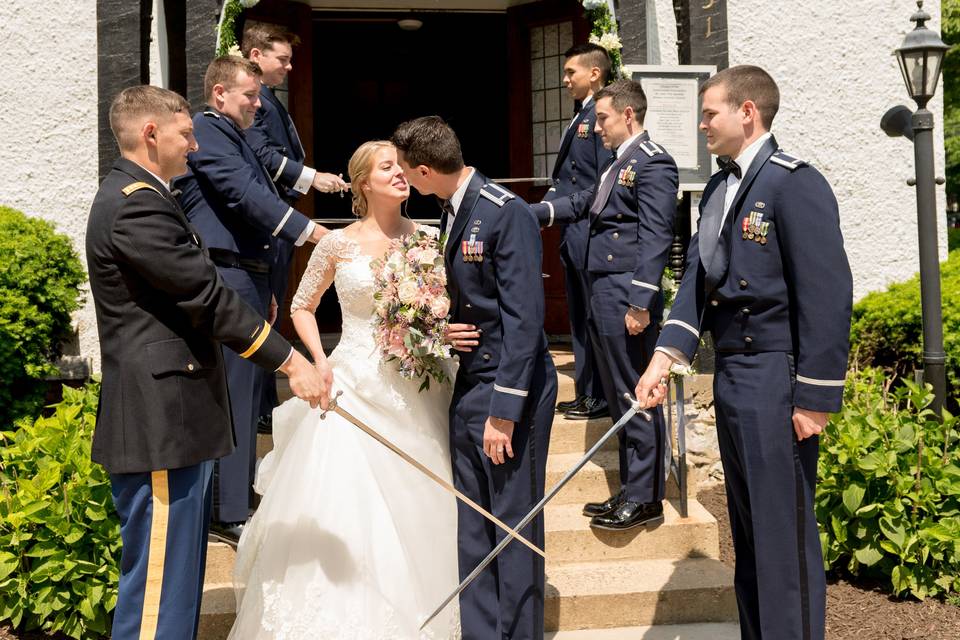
[472, 250]
[583, 129]
[627, 177]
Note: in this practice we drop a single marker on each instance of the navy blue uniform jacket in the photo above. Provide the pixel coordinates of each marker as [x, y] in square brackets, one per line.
[274, 138]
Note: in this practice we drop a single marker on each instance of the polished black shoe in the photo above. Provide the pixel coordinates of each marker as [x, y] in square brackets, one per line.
[591, 409]
[592, 509]
[628, 515]
[228, 532]
[563, 407]
[265, 424]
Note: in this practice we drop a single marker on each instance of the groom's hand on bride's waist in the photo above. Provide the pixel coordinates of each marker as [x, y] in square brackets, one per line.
[498, 439]
[462, 337]
[306, 381]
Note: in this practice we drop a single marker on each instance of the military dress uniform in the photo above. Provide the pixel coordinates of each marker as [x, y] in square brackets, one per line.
[767, 275]
[274, 138]
[238, 213]
[631, 212]
[164, 414]
[578, 164]
[493, 257]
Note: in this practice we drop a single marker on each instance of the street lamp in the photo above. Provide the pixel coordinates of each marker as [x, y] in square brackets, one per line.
[920, 57]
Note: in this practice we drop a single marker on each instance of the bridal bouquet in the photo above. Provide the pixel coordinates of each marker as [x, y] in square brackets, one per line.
[411, 307]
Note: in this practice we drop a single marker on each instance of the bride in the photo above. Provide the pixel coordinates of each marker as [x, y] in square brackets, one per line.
[349, 541]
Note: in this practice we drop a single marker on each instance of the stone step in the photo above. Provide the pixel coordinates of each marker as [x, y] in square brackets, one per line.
[705, 631]
[576, 436]
[569, 537]
[596, 481]
[597, 595]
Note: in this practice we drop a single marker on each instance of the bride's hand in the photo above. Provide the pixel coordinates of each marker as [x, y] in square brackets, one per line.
[497, 439]
[462, 336]
[326, 381]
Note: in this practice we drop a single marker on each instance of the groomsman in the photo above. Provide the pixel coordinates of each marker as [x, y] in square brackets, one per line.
[581, 155]
[767, 275]
[162, 314]
[274, 138]
[231, 200]
[504, 394]
[630, 209]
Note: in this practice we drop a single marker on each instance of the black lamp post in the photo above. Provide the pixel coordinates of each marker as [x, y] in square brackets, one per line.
[920, 57]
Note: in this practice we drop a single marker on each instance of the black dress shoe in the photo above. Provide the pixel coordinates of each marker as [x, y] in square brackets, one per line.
[628, 515]
[228, 532]
[591, 408]
[563, 407]
[265, 424]
[592, 509]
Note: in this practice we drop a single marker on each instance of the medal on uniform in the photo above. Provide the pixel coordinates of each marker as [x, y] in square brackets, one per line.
[627, 177]
[472, 250]
[583, 129]
[745, 225]
[764, 228]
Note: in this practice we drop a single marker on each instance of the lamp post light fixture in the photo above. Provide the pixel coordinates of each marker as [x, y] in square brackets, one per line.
[920, 57]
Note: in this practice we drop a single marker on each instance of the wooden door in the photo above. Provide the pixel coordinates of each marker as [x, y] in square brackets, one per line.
[540, 108]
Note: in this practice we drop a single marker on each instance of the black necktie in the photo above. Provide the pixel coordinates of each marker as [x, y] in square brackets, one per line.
[447, 207]
[729, 166]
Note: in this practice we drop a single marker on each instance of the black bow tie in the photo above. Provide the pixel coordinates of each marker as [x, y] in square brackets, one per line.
[729, 166]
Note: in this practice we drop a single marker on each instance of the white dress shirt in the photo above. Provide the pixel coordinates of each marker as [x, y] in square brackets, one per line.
[457, 199]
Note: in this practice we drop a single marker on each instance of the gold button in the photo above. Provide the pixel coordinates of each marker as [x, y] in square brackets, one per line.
[616, 236]
[189, 366]
[609, 258]
[619, 216]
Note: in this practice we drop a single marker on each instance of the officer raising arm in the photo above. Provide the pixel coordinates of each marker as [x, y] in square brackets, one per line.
[162, 311]
[767, 275]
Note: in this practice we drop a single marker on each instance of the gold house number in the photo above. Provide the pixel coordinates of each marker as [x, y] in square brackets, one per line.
[710, 5]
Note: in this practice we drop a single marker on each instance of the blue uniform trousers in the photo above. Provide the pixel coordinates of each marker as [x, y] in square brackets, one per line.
[506, 600]
[621, 360]
[164, 516]
[573, 255]
[233, 477]
[770, 479]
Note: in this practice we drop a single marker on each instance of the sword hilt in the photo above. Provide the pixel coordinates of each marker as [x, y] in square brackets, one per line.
[332, 406]
[636, 407]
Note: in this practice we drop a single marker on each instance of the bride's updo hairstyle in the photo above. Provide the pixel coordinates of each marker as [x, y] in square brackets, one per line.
[359, 168]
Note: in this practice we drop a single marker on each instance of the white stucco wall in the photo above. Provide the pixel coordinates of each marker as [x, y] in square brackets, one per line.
[837, 77]
[48, 123]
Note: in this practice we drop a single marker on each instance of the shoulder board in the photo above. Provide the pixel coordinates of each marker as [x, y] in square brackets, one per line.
[496, 194]
[786, 161]
[137, 186]
[212, 114]
[651, 148]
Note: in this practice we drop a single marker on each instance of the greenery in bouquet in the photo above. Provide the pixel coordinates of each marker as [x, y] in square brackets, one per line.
[412, 307]
[603, 31]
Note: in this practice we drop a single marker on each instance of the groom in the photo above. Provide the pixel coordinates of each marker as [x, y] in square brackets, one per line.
[503, 399]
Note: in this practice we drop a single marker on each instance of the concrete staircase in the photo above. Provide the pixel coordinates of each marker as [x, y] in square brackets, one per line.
[663, 583]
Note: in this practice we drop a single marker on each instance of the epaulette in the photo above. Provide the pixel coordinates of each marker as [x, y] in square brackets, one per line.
[786, 161]
[137, 186]
[212, 114]
[501, 199]
[651, 148]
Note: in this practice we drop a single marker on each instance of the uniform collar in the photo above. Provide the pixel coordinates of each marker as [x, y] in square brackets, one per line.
[457, 198]
[746, 158]
[626, 143]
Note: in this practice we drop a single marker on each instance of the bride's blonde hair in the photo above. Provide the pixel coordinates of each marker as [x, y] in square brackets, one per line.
[359, 168]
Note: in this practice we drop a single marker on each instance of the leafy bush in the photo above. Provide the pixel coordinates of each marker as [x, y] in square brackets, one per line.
[59, 533]
[888, 502]
[40, 276]
[953, 238]
[887, 327]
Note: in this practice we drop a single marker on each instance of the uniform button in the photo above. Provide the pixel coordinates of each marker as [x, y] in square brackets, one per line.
[609, 258]
[573, 179]
[469, 306]
[714, 303]
[573, 163]
[266, 246]
[743, 284]
[745, 311]
[189, 366]
[593, 233]
[619, 216]
[748, 339]
[616, 236]
[486, 356]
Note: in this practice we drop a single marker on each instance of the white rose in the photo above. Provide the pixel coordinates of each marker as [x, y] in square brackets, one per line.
[428, 256]
[407, 291]
[248, 3]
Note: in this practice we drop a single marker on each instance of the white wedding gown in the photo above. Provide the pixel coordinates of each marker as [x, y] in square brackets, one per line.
[349, 541]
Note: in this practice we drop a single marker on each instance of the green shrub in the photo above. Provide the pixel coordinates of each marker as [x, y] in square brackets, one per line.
[953, 238]
[888, 500]
[59, 533]
[887, 327]
[40, 276]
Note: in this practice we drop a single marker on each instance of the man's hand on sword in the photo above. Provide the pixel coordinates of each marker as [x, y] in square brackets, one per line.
[652, 386]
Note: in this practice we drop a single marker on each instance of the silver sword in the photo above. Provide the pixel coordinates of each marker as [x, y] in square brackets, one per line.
[632, 411]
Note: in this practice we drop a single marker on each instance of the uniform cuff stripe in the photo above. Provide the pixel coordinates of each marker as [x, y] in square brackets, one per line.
[513, 392]
[258, 342]
[820, 383]
[681, 323]
[552, 213]
[286, 217]
[645, 285]
[283, 163]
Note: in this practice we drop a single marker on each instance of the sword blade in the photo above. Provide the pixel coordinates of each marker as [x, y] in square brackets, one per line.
[632, 411]
[512, 533]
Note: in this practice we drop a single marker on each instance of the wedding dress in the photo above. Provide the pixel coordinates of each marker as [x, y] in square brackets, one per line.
[350, 542]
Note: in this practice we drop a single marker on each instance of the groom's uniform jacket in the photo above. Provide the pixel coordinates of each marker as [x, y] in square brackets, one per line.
[162, 312]
[493, 257]
[767, 275]
[274, 138]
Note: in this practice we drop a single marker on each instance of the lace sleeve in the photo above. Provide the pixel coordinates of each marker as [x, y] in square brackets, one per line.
[319, 273]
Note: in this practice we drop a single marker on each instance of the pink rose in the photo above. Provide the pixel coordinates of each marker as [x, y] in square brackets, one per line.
[440, 307]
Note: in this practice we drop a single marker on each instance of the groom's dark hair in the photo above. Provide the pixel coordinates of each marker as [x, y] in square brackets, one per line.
[429, 141]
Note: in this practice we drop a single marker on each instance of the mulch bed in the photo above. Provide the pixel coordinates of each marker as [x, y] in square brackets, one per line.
[857, 608]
